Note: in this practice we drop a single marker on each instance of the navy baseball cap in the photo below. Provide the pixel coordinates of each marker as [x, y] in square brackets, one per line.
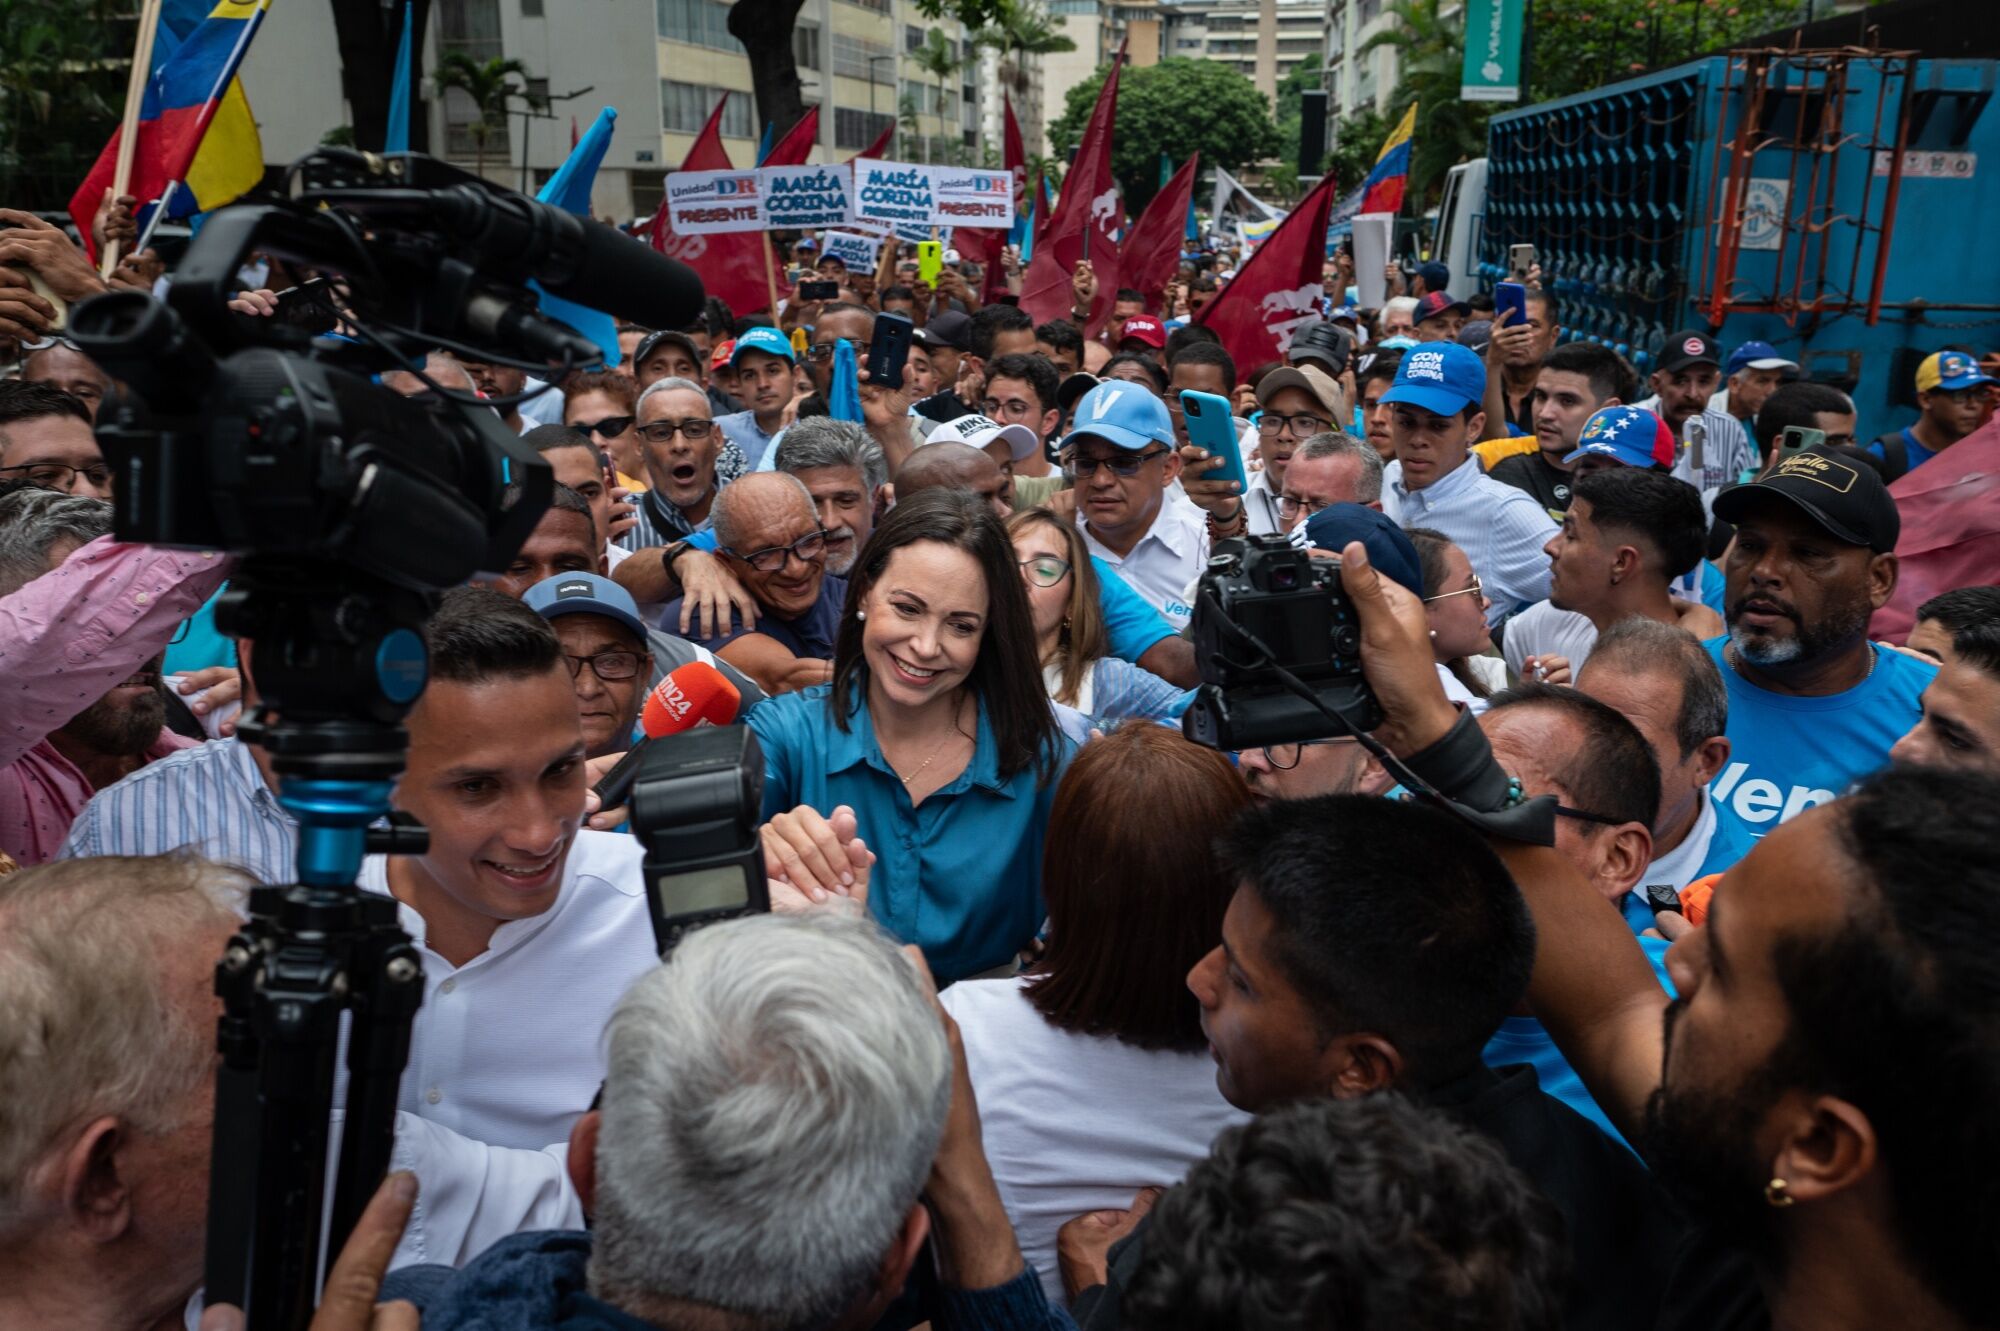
[1757, 356]
[585, 594]
[1122, 414]
[1441, 377]
[1389, 548]
[767, 340]
[1435, 274]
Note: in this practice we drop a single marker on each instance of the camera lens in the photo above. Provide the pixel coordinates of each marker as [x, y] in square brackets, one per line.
[1284, 579]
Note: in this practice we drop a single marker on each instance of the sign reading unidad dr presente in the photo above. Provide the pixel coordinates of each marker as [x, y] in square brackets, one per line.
[704, 203]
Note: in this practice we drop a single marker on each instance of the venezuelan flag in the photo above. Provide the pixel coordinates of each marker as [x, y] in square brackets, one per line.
[1383, 192]
[195, 125]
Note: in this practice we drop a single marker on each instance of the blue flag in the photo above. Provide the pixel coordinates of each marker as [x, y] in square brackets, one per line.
[397, 139]
[569, 189]
[765, 144]
[843, 399]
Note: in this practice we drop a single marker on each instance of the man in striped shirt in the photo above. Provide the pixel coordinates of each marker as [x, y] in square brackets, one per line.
[1689, 372]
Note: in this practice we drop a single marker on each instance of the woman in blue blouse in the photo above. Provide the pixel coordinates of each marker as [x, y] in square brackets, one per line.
[935, 730]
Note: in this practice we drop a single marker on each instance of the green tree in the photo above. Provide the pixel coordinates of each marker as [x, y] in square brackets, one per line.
[491, 85]
[1357, 142]
[1176, 107]
[1430, 48]
[62, 86]
[1579, 45]
[937, 57]
[1019, 31]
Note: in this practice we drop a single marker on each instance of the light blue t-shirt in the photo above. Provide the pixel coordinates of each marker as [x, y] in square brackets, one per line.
[1526, 1040]
[200, 644]
[1916, 454]
[1789, 753]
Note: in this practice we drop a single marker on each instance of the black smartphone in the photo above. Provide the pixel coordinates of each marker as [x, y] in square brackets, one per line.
[308, 306]
[889, 351]
[819, 291]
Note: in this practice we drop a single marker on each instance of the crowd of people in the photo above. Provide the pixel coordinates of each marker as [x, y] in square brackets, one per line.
[1060, 1019]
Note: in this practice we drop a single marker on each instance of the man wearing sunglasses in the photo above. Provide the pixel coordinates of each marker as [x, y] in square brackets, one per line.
[1606, 779]
[771, 540]
[1120, 454]
[604, 645]
[763, 365]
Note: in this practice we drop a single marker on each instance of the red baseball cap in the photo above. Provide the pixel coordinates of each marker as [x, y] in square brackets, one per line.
[1146, 329]
[719, 358]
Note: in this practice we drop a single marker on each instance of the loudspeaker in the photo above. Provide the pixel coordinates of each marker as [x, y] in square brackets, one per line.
[1312, 131]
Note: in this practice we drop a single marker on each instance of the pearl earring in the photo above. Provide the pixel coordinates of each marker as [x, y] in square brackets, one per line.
[1434, 633]
[861, 614]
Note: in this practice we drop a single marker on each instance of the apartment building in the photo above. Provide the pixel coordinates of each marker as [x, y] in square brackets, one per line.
[1099, 28]
[1264, 40]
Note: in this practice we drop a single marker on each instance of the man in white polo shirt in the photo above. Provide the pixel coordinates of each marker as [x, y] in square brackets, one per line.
[1121, 454]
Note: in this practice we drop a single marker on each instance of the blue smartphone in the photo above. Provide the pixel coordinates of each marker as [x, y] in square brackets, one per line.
[1510, 296]
[1210, 426]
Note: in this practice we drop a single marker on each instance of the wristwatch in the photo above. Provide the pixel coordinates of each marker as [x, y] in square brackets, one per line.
[670, 554]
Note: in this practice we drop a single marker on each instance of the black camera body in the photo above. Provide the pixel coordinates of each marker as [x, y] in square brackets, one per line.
[1265, 603]
[696, 804]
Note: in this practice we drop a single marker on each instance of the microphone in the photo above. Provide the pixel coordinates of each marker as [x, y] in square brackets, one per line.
[696, 694]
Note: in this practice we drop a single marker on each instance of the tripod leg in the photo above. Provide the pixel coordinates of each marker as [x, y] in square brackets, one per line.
[388, 988]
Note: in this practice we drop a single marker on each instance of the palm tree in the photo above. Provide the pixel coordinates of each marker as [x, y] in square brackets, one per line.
[491, 87]
[1018, 30]
[1431, 48]
[938, 57]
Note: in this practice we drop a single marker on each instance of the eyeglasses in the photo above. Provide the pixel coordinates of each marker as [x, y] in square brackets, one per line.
[1284, 757]
[58, 475]
[1476, 589]
[696, 428]
[819, 351]
[1044, 570]
[1302, 425]
[1001, 411]
[610, 427]
[610, 666]
[1125, 466]
[1291, 506]
[810, 548]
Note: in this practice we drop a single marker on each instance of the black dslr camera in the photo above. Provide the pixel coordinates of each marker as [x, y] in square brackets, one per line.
[1266, 609]
[695, 808]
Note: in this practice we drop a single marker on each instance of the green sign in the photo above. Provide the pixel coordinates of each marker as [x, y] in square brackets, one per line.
[1492, 51]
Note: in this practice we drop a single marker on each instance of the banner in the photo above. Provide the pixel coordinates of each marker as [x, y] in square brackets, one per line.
[859, 253]
[708, 203]
[1084, 224]
[903, 194]
[1150, 254]
[1492, 70]
[1278, 289]
[804, 196]
[731, 266]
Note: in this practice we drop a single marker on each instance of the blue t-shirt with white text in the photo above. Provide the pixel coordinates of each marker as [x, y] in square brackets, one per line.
[1789, 753]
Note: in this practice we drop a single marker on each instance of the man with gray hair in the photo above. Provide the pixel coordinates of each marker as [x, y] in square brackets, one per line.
[1332, 467]
[771, 540]
[777, 1096]
[1664, 682]
[84, 623]
[107, 1069]
[844, 471]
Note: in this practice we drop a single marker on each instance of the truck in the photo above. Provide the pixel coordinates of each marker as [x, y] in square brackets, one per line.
[1830, 202]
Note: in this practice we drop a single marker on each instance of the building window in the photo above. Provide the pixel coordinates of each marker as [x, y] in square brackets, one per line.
[531, 9]
[1367, 10]
[913, 37]
[696, 22]
[878, 6]
[851, 57]
[648, 188]
[858, 129]
[685, 107]
[805, 46]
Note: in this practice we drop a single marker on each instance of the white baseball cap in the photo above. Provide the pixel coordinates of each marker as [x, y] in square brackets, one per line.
[979, 431]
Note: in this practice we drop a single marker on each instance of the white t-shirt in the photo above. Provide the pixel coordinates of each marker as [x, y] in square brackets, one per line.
[1075, 1123]
[507, 1049]
[1544, 631]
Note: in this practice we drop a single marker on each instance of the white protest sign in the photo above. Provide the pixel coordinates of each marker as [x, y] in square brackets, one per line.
[857, 252]
[973, 198]
[894, 192]
[804, 196]
[706, 203]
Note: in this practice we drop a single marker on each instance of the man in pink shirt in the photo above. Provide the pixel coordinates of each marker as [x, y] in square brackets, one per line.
[84, 621]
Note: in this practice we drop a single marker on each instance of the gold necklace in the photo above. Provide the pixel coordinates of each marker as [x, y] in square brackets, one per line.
[950, 735]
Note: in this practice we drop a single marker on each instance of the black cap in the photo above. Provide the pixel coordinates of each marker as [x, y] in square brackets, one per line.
[1846, 498]
[1324, 344]
[1073, 388]
[948, 328]
[654, 341]
[1688, 347]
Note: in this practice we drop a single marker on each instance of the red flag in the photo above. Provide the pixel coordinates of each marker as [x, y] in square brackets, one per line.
[797, 145]
[1951, 528]
[1151, 254]
[879, 150]
[732, 265]
[1278, 288]
[1083, 225]
[572, 132]
[1015, 158]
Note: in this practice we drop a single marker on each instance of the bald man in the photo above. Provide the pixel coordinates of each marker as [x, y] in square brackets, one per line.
[957, 467]
[768, 532]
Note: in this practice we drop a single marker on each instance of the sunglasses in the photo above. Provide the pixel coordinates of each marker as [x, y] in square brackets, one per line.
[1125, 466]
[610, 427]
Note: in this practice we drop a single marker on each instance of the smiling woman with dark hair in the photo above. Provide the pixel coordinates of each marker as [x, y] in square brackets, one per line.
[935, 731]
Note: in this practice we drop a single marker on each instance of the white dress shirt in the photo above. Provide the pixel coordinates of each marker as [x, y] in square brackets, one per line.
[1501, 529]
[1726, 449]
[1167, 558]
[507, 1049]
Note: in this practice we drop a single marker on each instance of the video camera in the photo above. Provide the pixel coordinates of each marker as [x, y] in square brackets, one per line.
[348, 508]
[695, 808]
[1265, 609]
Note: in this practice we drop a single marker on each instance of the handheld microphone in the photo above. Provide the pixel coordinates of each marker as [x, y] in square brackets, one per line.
[696, 694]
